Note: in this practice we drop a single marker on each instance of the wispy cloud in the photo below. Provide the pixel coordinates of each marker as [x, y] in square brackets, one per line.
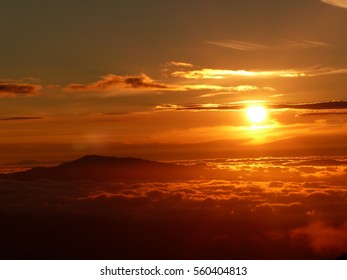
[334, 104]
[207, 73]
[305, 44]
[239, 45]
[335, 107]
[337, 3]
[179, 64]
[18, 89]
[251, 46]
[111, 82]
[330, 105]
[238, 89]
[20, 118]
[200, 107]
[143, 82]
[324, 113]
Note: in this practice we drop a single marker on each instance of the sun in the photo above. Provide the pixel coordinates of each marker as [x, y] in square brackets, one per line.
[256, 114]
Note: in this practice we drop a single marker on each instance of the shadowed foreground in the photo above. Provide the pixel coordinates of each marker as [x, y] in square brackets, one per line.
[82, 237]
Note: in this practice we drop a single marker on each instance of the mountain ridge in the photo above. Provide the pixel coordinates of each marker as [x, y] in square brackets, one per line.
[103, 168]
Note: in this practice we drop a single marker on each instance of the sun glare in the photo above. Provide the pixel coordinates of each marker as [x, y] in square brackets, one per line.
[256, 114]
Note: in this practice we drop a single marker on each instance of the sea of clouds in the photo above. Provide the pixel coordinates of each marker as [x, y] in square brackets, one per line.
[274, 208]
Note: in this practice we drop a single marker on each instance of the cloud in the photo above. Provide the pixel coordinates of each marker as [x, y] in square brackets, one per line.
[318, 162]
[326, 71]
[240, 88]
[199, 107]
[322, 237]
[179, 64]
[224, 73]
[334, 104]
[324, 113]
[306, 44]
[111, 82]
[16, 89]
[329, 105]
[143, 82]
[267, 210]
[249, 46]
[337, 3]
[20, 118]
[239, 45]
[207, 73]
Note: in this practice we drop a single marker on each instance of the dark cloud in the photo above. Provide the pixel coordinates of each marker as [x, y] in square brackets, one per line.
[12, 89]
[324, 113]
[199, 107]
[110, 82]
[329, 105]
[20, 118]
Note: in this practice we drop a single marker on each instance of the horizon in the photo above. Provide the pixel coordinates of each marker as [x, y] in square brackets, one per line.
[34, 162]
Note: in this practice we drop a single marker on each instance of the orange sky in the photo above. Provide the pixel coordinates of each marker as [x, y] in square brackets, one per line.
[172, 81]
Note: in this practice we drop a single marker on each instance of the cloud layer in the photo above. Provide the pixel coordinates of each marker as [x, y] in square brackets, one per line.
[274, 208]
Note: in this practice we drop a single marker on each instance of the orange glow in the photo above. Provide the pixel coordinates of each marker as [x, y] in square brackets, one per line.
[225, 73]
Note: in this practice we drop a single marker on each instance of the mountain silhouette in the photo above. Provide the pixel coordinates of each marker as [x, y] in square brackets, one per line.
[102, 168]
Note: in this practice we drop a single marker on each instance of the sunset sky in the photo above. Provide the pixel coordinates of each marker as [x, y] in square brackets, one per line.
[172, 79]
[247, 97]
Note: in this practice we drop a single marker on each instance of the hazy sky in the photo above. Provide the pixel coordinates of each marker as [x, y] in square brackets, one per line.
[170, 79]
